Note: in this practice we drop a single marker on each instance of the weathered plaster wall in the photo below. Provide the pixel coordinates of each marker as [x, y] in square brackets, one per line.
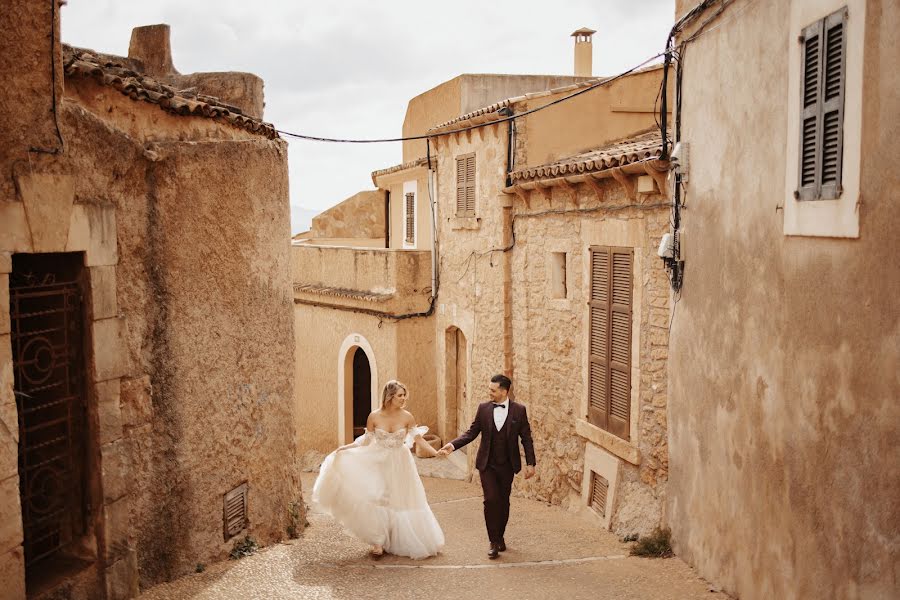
[189, 318]
[222, 371]
[397, 183]
[783, 360]
[462, 95]
[604, 114]
[359, 216]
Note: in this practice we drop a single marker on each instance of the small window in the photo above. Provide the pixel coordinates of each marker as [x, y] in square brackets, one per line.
[599, 489]
[235, 511]
[465, 186]
[823, 60]
[409, 237]
[558, 287]
[609, 377]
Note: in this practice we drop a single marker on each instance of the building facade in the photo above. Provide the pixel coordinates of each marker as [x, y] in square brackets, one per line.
[146, 332]
[783, 385]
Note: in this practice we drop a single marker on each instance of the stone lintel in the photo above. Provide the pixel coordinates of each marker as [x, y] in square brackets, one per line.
[616, 445]
[48, 200]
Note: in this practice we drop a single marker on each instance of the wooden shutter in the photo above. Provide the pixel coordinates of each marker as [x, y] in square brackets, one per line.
[823, 58]
[235, 511]
[833, 72]
[410, 235]
[599, 490]
[465, 186]
[609, 396]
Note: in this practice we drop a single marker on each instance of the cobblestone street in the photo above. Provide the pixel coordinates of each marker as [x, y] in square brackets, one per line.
[552, 554]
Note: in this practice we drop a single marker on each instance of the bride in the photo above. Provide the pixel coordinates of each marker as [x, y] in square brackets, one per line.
[372, 488]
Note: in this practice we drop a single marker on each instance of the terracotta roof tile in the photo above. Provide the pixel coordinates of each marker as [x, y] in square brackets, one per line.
[630, 150]
[419, 162]
[343, 293]
[137, 86]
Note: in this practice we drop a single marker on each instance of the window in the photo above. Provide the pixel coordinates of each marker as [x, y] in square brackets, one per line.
[599, 490]
[558, 275]
[409, 227]
[465, 186]
[609, 385]
[823, 60]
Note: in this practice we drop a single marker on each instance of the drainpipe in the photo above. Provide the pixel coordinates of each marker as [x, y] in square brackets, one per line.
[387, 218]
[434, 244]
[506, 204]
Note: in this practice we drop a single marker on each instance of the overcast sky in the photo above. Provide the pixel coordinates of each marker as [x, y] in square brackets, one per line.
[347, 68]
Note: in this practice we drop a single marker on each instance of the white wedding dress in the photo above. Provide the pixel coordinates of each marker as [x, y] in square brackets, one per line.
[374, 491]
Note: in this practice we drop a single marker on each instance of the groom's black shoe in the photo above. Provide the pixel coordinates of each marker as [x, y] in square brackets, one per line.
[502, 546]
[494, 552]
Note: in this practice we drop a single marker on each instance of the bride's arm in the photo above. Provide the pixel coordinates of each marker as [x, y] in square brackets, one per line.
[362, 440]
[419, 441]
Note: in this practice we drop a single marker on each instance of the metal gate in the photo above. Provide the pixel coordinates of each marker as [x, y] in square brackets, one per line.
[46, 323]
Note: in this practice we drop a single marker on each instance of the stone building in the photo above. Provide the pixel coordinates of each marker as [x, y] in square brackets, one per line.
[146, 328]
[557, 188]
[784, 419]
[549, 274]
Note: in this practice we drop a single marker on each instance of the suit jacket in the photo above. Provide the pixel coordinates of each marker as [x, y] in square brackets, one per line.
[516, 427]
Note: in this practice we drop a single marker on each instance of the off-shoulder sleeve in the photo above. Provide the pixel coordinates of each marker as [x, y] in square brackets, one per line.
[364, 439]
[413, 434]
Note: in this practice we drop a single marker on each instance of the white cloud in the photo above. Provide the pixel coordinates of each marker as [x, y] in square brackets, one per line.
[348, 68]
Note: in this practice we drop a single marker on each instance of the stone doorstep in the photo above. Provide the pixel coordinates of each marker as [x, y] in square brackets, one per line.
[122, 577]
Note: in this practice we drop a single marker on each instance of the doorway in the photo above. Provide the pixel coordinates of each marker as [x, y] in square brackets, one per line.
[456, 401]
[47, 339]
[362, 391]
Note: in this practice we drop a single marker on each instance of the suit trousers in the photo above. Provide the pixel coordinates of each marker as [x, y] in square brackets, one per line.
[496, 483]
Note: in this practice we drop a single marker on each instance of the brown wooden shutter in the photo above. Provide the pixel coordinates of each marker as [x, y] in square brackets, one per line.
[465, 186]
[609, 395]
[599, 490]
[410, 236]
[235, 511]
[470, 186]
[833, 70]
[823, 60]
[460, 186]
[620, 343]
[598, 398]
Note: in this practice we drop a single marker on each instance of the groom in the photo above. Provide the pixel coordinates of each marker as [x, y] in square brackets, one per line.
[501, 422]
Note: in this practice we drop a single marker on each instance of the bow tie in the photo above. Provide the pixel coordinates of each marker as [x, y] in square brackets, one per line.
[498, 405]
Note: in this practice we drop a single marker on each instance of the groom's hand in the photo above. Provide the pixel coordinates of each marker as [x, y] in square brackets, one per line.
[529, 471]
[446, 450]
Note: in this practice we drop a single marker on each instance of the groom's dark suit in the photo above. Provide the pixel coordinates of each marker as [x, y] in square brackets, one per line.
[498, 459]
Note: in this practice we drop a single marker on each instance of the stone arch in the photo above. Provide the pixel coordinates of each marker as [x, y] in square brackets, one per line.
[348, 350]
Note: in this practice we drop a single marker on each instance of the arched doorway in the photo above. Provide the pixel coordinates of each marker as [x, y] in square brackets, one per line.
[356, 369]
[456, 370]
[362, 391]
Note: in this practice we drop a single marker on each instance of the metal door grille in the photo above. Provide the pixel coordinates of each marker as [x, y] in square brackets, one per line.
[45, 316]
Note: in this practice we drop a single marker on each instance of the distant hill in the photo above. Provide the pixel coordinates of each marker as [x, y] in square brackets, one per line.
[301, 218]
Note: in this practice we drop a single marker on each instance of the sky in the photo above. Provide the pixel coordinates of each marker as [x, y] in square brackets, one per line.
[347, 68]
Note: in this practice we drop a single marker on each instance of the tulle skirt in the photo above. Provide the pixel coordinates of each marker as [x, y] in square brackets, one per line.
[377, 495]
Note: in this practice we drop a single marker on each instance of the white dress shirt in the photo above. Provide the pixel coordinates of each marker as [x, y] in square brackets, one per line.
[500, 413]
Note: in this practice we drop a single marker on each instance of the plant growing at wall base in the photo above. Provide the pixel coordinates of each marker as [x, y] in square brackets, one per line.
[242, 548]
[296, 519]
[656, 545]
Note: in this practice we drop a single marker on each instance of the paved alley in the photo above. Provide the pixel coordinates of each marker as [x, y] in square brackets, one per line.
[552, 554]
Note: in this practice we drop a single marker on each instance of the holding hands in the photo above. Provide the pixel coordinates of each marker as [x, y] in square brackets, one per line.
[446, 450]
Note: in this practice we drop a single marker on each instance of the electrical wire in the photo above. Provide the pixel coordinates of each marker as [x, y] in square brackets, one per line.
[601, 83]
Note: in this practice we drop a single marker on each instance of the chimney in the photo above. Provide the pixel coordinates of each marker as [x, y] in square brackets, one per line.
[584, 52]
[150, 45]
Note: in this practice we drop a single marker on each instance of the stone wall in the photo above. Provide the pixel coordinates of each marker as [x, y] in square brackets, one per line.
[359, 216]
[189, 324]
[550, 335]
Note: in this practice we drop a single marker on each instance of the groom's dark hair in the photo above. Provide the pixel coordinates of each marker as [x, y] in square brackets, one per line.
[503, 381]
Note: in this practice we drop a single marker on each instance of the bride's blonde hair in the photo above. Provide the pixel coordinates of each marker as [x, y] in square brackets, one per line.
[390, 390]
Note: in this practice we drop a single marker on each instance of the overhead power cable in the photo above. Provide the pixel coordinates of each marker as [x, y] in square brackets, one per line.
[424, 136]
